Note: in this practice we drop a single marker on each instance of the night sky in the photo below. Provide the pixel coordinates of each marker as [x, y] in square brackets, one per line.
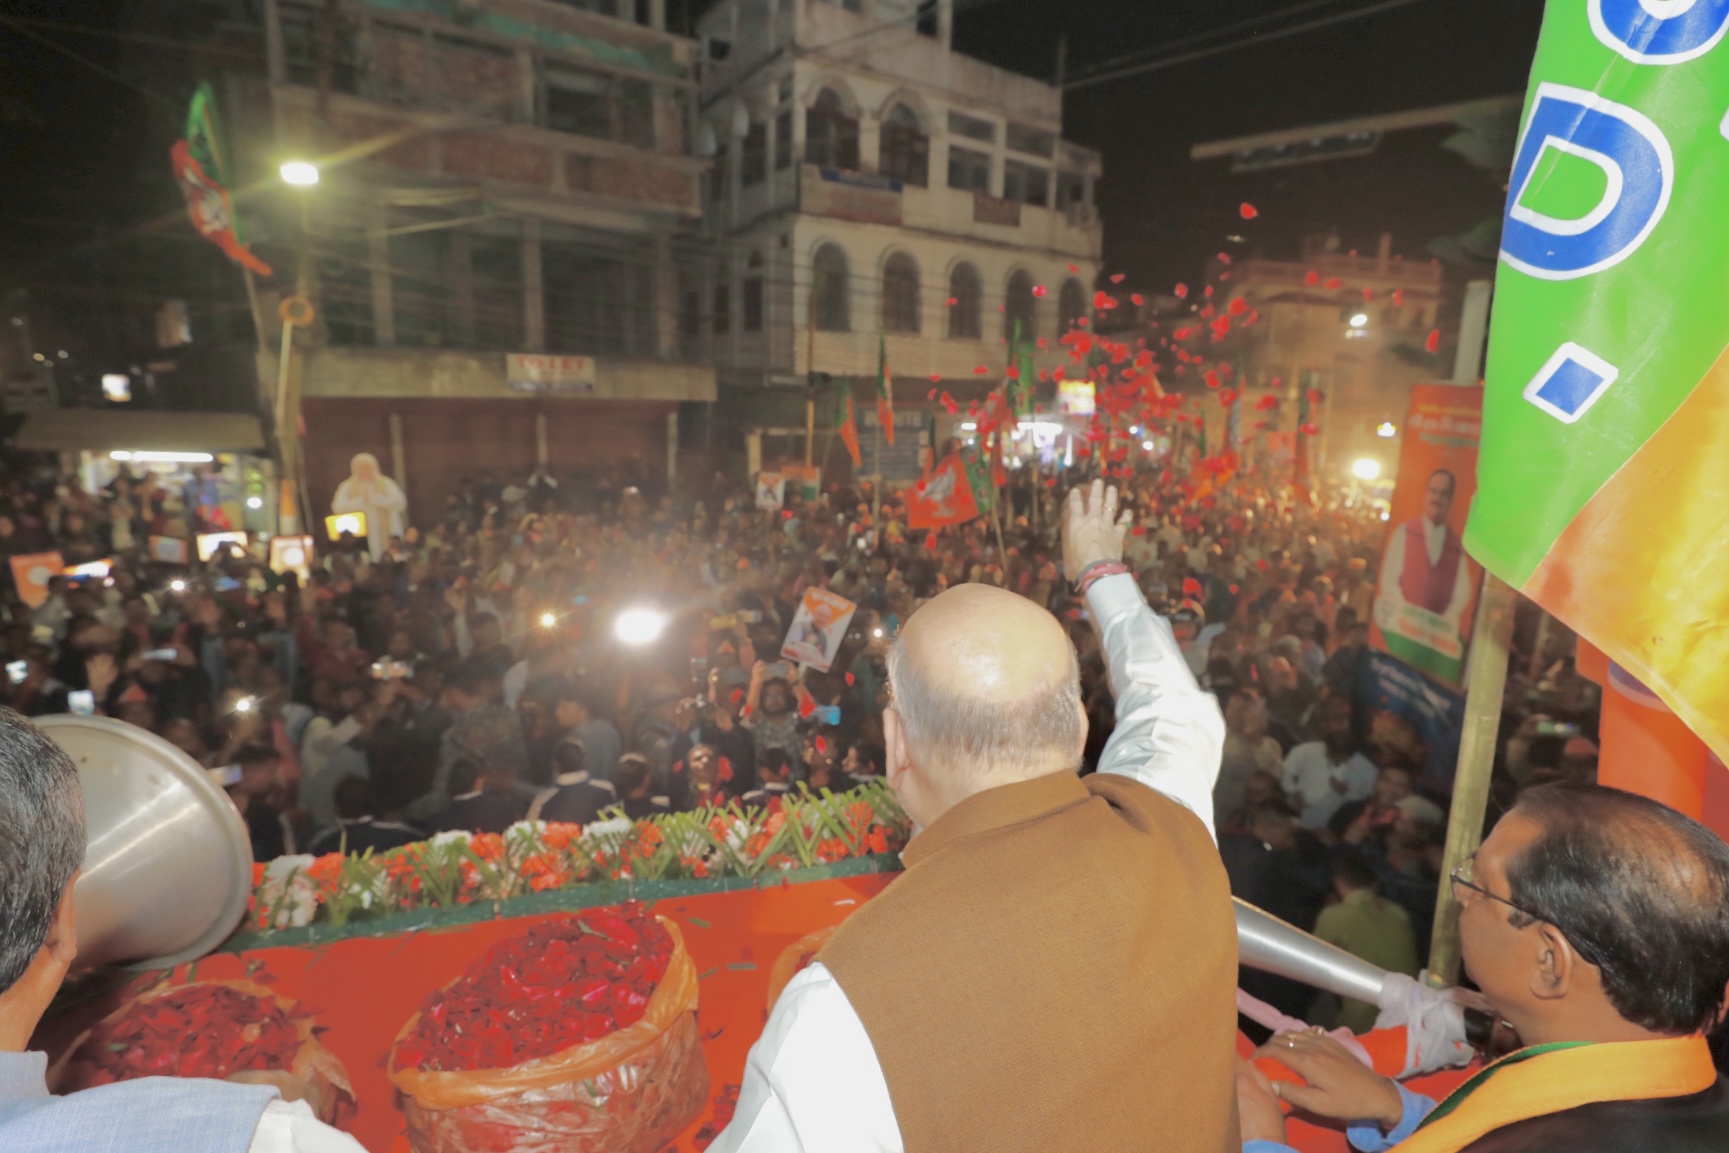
[1166, 214]
[71, 137]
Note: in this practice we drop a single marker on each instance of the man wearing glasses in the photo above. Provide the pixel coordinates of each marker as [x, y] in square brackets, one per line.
[1596, 922]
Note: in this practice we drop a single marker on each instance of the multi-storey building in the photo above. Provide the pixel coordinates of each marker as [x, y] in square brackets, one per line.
[508, 203]
[1355, 327]
[870, 186]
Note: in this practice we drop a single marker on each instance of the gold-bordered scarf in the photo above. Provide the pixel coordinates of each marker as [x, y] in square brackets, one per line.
[1547, 1079]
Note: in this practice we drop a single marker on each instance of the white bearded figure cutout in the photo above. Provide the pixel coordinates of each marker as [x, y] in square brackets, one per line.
[367, 490]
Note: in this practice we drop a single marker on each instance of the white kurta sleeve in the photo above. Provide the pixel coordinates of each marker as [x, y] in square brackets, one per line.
[1169, 735]
[812, 1083]
[290, 1127]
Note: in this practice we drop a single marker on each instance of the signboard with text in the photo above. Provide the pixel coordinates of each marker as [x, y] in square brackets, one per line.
[546, 372]
[860, 196]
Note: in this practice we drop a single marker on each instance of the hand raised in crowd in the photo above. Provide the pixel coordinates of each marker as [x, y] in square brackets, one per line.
[1338, 1085]
[1092, 530]
[457, 598]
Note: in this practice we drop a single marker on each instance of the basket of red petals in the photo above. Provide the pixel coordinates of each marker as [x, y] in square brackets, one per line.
[580, 1035]
[217, 1029]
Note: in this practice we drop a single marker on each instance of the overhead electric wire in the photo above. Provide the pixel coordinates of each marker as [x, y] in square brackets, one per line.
[1161, 63]
[101, 69]
[1203, 36]
[208, 48]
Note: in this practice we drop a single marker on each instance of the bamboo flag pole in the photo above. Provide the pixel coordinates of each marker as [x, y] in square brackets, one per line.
[1485, 684]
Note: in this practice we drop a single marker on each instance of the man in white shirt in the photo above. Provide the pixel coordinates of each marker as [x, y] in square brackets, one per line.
[1321, 776]
[42, 815]
[820, 1080]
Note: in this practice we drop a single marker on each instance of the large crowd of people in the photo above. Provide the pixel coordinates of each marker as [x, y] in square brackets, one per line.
[469, 675]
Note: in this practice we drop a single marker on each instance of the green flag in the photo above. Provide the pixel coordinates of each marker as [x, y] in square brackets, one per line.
[1022, 374]
[1603, 462]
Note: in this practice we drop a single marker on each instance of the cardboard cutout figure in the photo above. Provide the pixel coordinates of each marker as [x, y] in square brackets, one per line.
[368, 490]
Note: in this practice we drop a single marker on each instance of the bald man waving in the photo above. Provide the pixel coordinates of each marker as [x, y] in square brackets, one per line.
[1056, 968]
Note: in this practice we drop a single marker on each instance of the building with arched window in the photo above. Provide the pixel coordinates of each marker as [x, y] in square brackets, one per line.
[910, 197]
[830, 290]
[900, 295]
[965, 303]
[830, 133]
[906, 148]
[1020, 307]
[1071, 306]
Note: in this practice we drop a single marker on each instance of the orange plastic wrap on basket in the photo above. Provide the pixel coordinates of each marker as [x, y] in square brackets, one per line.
[632, 1091]
[312, 1064]
[795, 959]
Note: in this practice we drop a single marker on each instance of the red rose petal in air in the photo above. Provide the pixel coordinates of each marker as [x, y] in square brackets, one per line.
[1102, 300]
[1238, 306]
[1368, 295]
[1312, 279]
[1181, 292]
[1074, 270]
[1038, 290]
[953, 302]
[979, 370]
[1208, 293]
[1138, 299]
[1335, 284]
[1117, 277]
[1311, 429]
[932, 394]
[1433, 344]
[1248, 211]
[1224, 258]
[1399, 297]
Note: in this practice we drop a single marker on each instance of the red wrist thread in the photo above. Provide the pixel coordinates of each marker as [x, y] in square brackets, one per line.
[1098, 571]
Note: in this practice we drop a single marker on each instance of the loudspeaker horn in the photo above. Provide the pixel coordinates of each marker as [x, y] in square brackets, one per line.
[168, 867]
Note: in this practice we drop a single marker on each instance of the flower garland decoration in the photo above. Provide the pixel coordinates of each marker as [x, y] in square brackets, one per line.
[457, 868]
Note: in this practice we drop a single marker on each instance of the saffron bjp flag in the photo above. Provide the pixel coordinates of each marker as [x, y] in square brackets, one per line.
[201, 170]
[1605, 446]
[885, 391]
[943, 498]
[846, 423]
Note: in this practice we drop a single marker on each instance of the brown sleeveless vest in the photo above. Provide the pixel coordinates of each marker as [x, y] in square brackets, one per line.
[1056, 970]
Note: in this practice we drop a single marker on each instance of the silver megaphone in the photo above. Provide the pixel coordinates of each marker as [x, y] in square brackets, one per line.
[168, 865]
[1273, 946]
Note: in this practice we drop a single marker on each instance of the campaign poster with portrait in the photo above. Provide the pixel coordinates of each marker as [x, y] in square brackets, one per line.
[1426, 597]
[818, 628]
[770, 491]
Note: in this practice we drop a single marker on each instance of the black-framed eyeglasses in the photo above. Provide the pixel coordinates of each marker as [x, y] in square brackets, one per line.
[1464, 876]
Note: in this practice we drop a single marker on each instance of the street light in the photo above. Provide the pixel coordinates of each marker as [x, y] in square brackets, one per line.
[1366, 469]
[1386, 430]
[639, 626]
[1361, 320]
[300, 173]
